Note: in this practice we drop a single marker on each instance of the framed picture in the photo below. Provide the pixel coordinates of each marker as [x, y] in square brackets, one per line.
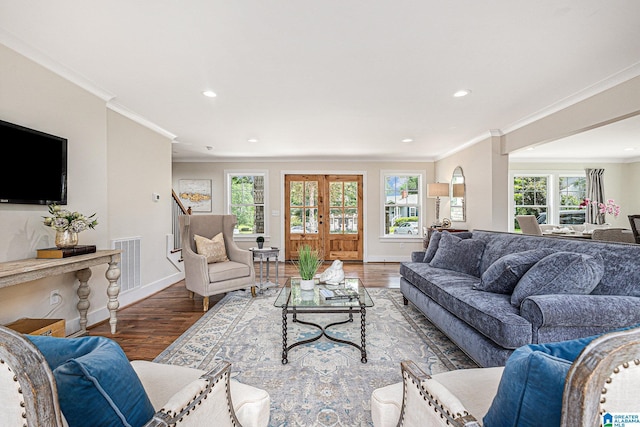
[196, 194]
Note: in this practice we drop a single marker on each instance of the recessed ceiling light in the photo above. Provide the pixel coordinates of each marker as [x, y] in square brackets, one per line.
[530, 149]
[252, 140]
[209, 94]
[629, 149]
[461, 93]
[407, 140]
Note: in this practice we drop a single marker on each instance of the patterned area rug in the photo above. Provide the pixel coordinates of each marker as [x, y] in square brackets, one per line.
[324, 383]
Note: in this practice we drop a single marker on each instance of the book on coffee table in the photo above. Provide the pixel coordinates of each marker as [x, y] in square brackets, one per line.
[338, 294]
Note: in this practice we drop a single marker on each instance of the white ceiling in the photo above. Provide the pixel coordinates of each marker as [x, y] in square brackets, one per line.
[334, 79]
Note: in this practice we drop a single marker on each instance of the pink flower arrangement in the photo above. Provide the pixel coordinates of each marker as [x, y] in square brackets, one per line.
[604, 208]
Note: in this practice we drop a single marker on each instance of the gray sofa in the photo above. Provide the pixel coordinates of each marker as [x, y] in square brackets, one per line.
[488, 326]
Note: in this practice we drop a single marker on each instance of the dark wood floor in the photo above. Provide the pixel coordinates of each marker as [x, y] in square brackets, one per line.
[147, 327]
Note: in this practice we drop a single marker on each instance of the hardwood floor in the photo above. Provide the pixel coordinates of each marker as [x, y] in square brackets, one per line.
[147, 327]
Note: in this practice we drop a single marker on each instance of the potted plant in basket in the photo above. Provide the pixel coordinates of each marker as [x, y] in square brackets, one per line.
[260, 241]
[308, 263]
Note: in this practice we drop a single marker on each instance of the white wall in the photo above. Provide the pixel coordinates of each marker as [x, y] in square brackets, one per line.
[485, 173]
[35, 97]
[377, 248]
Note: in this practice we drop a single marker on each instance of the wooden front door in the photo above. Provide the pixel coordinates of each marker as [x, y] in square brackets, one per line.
[325, 212]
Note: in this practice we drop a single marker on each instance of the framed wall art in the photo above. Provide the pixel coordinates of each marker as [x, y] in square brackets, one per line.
[196, 194]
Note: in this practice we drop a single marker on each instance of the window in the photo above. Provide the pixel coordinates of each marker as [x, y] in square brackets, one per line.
[554, 198]
[530, 197]
[572, 191]
[402, 203]
[246, 195]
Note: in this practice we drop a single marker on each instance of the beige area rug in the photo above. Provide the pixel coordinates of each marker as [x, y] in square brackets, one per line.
[324, 383]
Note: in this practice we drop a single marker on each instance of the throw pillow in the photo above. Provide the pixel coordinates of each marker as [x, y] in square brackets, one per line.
[532, 384]
[96, 384]
[461, 255]
[503, 275]
[434, 241]
[213, 248]
[560, 273]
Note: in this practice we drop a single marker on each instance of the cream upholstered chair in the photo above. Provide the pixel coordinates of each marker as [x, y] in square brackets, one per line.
[613, 235]
[208, 279]
[180, 395]
[529, 225]
[603, 378]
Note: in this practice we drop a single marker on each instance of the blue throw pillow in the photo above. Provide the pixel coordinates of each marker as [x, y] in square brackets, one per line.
[456, 254]
[503, 275]
[97, 385]
[560, 273]
[434, 242]
[532, 384]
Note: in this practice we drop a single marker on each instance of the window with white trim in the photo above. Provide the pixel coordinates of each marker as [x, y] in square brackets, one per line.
[554, 198]
[246, 196]
[402, 203]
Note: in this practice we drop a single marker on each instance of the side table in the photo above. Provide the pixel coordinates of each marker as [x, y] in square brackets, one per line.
[432, 230]
[262, 255]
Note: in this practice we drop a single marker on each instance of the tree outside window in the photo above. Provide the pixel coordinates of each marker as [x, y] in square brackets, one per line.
[247, 195]
[401, 201]
[572, 191]
[530, 197]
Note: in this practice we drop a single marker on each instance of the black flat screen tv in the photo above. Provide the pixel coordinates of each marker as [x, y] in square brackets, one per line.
[34, 169]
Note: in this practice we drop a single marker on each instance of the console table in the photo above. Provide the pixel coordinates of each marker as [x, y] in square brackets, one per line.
[25, 270]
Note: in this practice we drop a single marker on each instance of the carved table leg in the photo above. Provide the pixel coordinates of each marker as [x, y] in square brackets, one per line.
[112, 275]
[83, 297]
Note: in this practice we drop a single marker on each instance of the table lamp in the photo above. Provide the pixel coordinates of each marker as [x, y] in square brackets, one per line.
[437, 190]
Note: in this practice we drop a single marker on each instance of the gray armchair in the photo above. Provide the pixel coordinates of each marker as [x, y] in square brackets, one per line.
[208, 279]
[613, 235]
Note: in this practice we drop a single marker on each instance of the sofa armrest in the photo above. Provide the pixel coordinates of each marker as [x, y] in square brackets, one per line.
[604, 312]
[201, 401]
[428, 402]
[417, 256]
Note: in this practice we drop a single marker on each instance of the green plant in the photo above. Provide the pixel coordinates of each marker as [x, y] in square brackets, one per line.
[260, 239]
[308, 262]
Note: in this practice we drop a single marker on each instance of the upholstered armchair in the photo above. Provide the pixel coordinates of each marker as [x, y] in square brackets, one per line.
[101, 387]
[205, 277]
[613, 235]
[576, 383]
[529, 225]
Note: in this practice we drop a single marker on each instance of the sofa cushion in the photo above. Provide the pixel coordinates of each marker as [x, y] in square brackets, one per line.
[435, 240]
[532, 384]
[461, 255]
[560, 273]
[213, 248]
[97, 385]
[503, 275]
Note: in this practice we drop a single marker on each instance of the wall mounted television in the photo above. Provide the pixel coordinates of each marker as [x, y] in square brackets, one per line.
[34, 169]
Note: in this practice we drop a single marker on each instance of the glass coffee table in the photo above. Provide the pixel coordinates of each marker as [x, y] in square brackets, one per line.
[295, 301]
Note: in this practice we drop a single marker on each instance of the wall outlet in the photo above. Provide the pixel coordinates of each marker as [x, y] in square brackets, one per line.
[54, 298]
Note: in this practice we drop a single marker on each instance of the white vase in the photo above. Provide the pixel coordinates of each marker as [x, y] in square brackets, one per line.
[307, 285]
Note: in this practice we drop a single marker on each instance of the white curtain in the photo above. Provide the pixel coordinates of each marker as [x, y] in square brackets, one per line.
[595, 193]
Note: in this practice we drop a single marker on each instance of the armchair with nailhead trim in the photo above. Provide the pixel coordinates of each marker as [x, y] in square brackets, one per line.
[604, 380]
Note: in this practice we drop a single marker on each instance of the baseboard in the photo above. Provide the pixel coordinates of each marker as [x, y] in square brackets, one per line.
[387, 258]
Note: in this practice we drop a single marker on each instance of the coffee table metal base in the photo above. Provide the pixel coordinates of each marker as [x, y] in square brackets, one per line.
[323, 329]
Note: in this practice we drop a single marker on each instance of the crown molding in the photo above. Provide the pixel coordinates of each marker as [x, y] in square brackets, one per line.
[121, 109]
[28, 51]
[596, 88]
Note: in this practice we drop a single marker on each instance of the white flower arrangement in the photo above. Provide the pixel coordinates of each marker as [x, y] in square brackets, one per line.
[65, 220]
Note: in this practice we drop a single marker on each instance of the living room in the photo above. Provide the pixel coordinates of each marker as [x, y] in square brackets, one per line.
[119, 158]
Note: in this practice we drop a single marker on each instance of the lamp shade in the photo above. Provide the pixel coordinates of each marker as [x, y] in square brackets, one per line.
[438, 189]
[458, 190]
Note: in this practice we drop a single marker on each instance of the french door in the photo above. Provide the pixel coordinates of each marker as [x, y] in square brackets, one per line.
[324, 212]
